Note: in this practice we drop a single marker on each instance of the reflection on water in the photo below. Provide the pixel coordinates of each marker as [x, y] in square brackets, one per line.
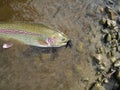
[31, 68]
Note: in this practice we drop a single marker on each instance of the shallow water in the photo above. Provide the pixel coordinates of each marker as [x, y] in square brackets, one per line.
[30, 68]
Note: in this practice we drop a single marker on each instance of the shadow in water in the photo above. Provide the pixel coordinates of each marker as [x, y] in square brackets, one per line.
[32, 51]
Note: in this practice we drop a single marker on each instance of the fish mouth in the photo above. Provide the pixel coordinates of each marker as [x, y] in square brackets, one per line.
[69, 44]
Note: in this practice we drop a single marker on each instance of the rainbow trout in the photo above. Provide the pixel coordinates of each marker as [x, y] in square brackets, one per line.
[33, 34]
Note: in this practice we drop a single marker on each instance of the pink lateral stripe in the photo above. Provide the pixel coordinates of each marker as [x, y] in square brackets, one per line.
[12, 31]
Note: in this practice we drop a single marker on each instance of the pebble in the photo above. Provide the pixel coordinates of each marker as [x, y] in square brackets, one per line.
[111, 2]
[98, 57]
[118, 20]
[107, 38]
[112, 14]
[97, 86]
[117, 63]
[101, 67]
[105, 31]
[111, 23]
[103, 20]
[118, 9]
[118, 36]
[118, 74]
[105, 80]
[112, 59]
[100, 9]
[118, 48]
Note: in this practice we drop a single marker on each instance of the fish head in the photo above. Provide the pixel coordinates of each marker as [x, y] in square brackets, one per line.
[57, 39]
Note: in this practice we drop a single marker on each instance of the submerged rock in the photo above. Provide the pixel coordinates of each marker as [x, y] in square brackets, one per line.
[113, 59]
[100, 9]
[111, 23]
[103, 20]
[117, 63]
[112, 14]
[98, 57]
[97, 86]
[118, 9]
[118, 75]
[107, 38]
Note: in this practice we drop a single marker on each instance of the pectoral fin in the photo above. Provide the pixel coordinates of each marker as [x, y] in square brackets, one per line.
[7, 45]
[44, 43]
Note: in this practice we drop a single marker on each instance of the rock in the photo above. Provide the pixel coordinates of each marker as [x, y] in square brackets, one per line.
[118, 48]
[113, 59]
[112, 14]
[107, 38]
[105, 31]
[101, 68]
[103, 21]
[100, 49]
[110, 2]
[100, 9]
[111, 23]
[98, 57]
[113, 51]
[118, 36]
[105, 80]
[118, 20]
[97, 86]
[117, 63]
[118, 9]
[118, 75]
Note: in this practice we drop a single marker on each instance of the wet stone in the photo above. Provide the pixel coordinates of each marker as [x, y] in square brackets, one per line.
[118, 75]
[112, 59]
[118, 36]
[118, 20]
[118, 9]
[105, 80]
[98, 57]
[114, 43]
[107, 38]
[110, 2]
[97, 86]
[111, 23]
[107, 9]
[117, 63]
[101, 68]
[109, 54]
[112, 14]
[103, 21]
[118, 48]
[108, 46]
[116, 29]
[98, 73]
[100, 9]
[100, 50]
[113, 36]
[113, 52]
[105, 31]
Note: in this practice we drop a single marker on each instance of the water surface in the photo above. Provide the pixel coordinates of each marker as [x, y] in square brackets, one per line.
[30, 68]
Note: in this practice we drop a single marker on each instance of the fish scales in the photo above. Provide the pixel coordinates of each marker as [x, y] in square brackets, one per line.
[33, 34]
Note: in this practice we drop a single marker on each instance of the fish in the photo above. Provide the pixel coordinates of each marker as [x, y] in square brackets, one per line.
[33, 34]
